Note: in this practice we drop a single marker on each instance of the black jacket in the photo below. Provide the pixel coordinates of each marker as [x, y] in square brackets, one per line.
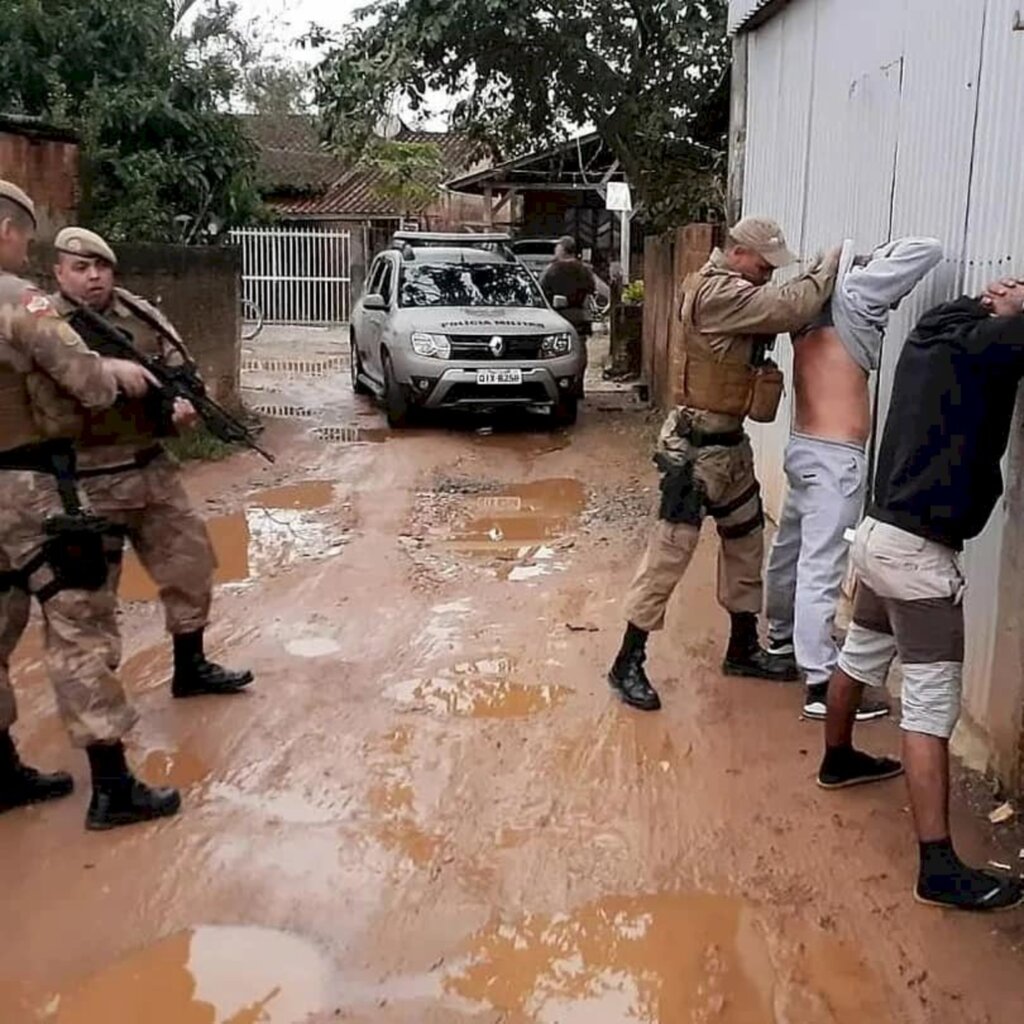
[953, 397]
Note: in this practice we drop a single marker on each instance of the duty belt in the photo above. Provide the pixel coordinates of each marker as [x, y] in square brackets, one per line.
[55, 458]
[725, 439]
[141, 460]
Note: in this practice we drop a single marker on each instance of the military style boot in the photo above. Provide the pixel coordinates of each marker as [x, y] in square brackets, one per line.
[746, 658]
[21, 786]
[118, 798]
[628, 677]
[194, 676]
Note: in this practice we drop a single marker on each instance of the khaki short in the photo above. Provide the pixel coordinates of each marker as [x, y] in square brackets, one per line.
[909, 601]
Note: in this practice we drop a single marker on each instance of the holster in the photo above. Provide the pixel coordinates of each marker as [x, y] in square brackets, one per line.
[75, 553]
[683, 500]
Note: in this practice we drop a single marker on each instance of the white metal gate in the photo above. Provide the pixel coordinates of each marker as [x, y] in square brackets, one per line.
[297, 275]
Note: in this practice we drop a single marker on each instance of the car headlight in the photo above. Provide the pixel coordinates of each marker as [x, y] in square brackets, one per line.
[555, 345]
[436, 346]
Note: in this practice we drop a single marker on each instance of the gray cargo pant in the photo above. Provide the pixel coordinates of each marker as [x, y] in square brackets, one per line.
[808, 560]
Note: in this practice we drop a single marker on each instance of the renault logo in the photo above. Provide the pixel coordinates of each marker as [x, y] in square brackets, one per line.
[497, 347]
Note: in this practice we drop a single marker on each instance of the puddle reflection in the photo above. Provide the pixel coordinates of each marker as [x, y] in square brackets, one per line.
[661, 959]
[208, 975]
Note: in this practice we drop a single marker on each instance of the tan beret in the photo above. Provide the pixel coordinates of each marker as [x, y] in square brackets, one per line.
[8, 190]
[85, 243]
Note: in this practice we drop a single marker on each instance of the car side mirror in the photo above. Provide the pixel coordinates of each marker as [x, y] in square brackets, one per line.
[560, 302]
[375, 302]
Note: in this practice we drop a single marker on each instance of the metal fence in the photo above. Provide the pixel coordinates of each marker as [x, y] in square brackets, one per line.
[297, 275]
[882, 118]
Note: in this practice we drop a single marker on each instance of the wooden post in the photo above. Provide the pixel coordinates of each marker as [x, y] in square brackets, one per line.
[489, 207]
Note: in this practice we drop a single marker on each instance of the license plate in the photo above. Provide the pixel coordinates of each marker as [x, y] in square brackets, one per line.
[499, 376]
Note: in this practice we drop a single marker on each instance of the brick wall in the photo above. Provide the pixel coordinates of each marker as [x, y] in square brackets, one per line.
[46, 167]
[198, 289]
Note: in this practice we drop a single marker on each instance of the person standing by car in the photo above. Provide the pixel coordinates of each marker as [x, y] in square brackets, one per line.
[568, 276]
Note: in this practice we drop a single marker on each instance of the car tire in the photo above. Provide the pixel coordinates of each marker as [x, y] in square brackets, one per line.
[358, 387]
[566, 412]
[396, 405]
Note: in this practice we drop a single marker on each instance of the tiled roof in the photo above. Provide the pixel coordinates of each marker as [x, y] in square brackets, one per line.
[291, 158]
[353, 191]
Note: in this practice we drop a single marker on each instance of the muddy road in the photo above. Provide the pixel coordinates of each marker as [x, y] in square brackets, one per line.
[430, 809]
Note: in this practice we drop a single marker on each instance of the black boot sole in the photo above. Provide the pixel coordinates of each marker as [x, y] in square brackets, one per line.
[127, 820]
[621, 694]
[737, 671]
[183, 693]
[862, 780]
[967, 908]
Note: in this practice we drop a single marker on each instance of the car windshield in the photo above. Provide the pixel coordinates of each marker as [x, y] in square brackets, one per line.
[468, 284]
[534, 248]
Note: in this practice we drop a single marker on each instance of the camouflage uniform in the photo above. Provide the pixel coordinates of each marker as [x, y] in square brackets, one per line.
[130, 479]
[81, 635]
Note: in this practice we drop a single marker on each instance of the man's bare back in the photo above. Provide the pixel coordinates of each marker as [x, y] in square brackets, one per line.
[832, 397]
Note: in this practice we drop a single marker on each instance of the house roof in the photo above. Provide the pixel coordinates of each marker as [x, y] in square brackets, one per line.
[748, 14]
[579, 164]
[301, 179]
[291, 158]
[35, 128]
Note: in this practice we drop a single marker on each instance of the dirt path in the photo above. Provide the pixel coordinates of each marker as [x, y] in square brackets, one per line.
[430, 809]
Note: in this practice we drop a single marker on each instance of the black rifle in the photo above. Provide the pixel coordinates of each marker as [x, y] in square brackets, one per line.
[175, 381]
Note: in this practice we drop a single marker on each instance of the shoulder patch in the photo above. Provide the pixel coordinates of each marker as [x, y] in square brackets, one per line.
[36, 303]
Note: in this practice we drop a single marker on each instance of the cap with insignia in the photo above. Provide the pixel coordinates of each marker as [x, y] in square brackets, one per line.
[85, 243]
[10, 191]
[765, 237]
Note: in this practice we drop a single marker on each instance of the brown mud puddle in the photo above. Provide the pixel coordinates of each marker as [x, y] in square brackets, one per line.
[478, 689]
[527, 444]
[277, 528]
[179, 768]
[525, 515]
[208, 975]
[665, 959]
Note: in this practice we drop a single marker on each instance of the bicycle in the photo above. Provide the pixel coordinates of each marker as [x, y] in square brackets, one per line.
[252, 320]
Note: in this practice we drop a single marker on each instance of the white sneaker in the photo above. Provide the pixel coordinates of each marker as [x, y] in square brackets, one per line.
[781, 648]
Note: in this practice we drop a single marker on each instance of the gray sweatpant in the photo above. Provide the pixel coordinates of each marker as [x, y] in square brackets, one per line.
[807, 564]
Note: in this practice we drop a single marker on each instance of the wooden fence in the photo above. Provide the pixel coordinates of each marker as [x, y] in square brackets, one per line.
[668, 259]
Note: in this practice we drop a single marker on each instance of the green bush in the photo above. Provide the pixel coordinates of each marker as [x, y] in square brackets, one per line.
[633, 293]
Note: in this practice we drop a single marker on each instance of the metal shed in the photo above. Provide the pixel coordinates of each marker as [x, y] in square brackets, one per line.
[871, 119]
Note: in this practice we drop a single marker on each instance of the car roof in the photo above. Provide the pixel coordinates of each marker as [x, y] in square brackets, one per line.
[441, 256]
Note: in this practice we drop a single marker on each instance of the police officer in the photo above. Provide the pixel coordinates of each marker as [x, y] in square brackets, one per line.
[65, 570]
[730, 316]
[130, 479]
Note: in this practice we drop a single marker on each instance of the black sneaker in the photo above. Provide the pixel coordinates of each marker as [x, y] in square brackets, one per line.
[782, 648]
[816, 706]
[969, 889]
[840, 770]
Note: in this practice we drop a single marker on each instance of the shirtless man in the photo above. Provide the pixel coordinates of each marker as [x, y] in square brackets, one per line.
[826, 465]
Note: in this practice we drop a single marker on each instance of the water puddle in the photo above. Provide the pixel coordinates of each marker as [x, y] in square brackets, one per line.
[313, 647]
[526, 515]
[178, 768]
[278, 529]
[478, 689]
[307, 495]
[147, 669]
[207, 975]
[532, 445]
[664, 959]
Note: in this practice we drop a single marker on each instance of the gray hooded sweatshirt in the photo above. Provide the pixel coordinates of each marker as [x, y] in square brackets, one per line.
[868, 289]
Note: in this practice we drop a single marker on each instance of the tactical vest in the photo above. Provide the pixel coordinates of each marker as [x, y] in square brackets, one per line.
[727, 383]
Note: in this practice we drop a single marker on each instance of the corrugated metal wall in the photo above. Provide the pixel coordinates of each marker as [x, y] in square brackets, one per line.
[882, 118]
